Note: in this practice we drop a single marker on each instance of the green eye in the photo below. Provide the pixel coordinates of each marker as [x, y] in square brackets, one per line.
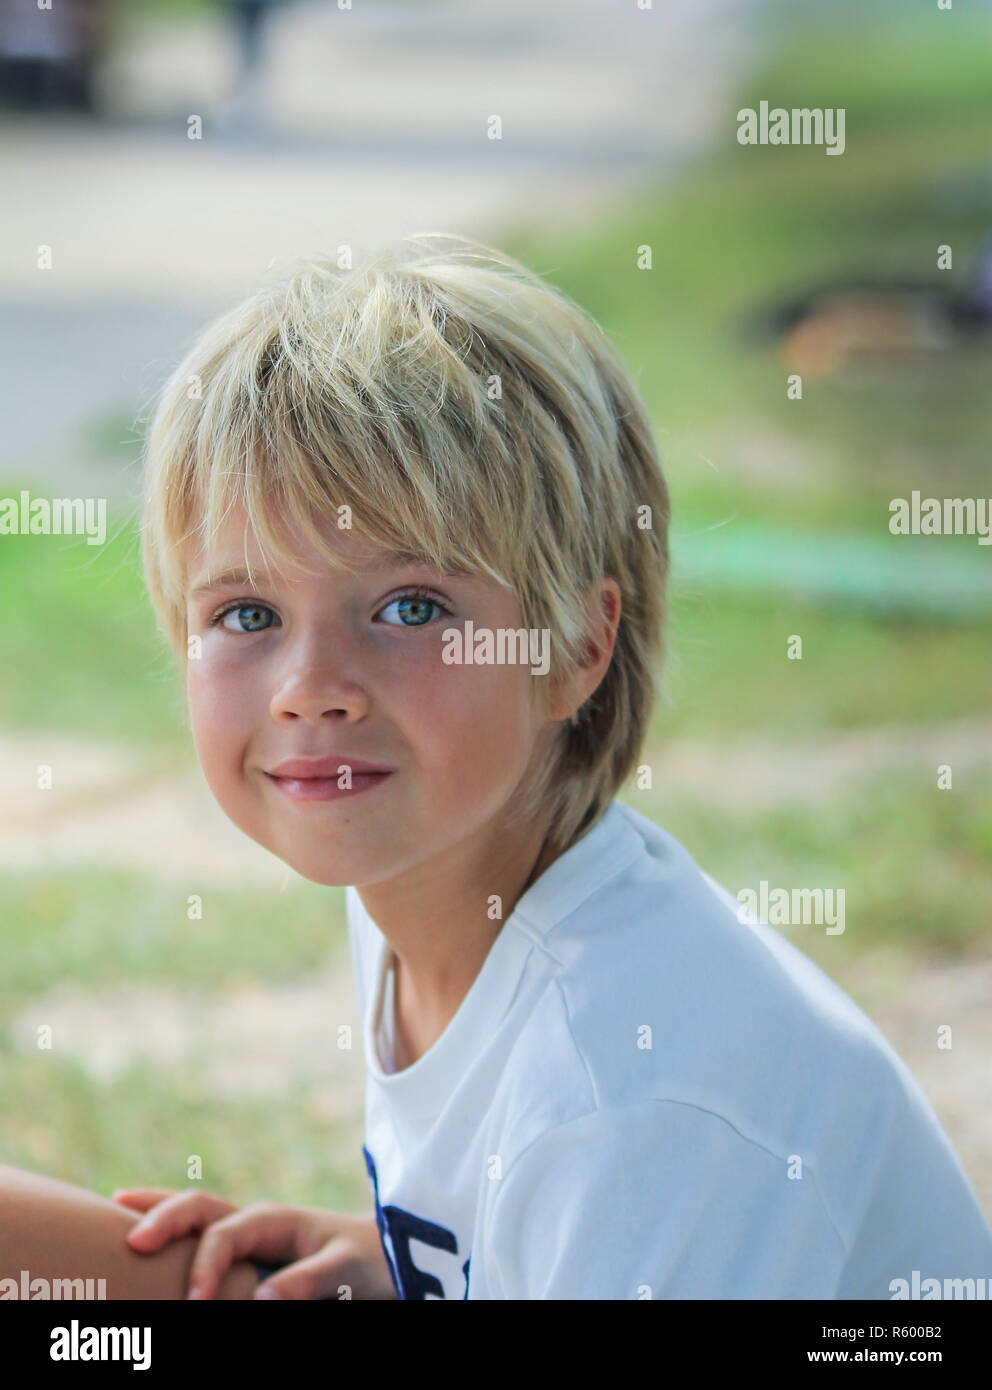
[254, 617]
[414, 606]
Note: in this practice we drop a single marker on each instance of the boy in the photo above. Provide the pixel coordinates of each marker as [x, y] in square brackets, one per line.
[370, 496]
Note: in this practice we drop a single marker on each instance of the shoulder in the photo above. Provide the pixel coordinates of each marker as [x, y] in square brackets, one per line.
[693, 1109]
[662, 997]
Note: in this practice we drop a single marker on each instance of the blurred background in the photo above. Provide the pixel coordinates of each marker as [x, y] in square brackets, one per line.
[177, 1034]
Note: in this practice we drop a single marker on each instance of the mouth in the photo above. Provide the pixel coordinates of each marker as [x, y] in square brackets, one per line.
[328, 788]
[330, 766]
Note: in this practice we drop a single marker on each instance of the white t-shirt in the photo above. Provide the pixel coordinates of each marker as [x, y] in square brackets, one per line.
[641, 1096]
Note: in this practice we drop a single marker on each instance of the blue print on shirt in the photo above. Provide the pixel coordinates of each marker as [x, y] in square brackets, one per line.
[398, 1228]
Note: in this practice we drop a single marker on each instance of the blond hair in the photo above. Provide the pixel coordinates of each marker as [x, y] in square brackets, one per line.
[468, 414]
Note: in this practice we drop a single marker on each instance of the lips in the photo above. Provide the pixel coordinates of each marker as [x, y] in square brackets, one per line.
[302, 769]
[317, 780]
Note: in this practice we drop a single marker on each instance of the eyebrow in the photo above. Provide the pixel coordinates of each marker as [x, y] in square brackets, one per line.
[394, 559]
[221, 581]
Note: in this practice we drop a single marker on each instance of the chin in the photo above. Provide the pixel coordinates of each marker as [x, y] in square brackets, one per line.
[329, 870]
[329, 874]
[333, 870]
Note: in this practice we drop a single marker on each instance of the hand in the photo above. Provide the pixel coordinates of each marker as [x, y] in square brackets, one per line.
[327, 1250]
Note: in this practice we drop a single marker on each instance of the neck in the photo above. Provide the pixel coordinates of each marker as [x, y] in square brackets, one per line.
[440, 919]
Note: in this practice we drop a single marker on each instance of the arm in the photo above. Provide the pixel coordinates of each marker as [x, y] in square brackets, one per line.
[55, 1230]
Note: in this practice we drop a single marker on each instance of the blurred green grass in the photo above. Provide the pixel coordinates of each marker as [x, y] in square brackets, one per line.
[138, 1130]
[61, 930]
[83, 654]
[913, 860]
[64, 917]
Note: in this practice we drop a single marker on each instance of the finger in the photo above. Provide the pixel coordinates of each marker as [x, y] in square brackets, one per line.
[265, 1232]
[323, 1275]
[140, 1198]
[176, 1217]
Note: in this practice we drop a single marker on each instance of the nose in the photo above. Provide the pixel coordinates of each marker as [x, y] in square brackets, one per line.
[316, 689]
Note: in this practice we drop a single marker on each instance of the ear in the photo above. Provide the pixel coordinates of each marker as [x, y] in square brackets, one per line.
[602, 620]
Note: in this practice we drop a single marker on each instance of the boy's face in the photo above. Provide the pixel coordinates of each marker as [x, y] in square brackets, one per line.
[347, 667]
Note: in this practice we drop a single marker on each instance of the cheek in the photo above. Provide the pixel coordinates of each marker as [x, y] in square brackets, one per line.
[218, 714]
[223, 718]
[477, 721]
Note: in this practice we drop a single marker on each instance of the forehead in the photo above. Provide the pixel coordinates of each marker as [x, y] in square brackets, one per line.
[295, 555]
